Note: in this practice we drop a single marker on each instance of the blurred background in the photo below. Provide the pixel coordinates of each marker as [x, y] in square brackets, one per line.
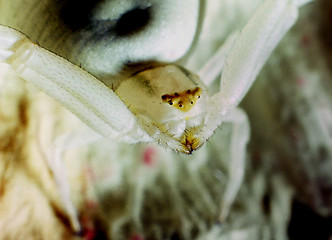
[142, 191]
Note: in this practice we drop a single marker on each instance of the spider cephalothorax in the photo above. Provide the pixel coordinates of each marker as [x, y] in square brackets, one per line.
[169, 102]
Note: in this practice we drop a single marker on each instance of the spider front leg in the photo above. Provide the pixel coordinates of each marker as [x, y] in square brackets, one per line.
[77, 90]
[93, 102]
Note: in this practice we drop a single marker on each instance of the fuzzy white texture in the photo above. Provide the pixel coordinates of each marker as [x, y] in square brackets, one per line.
[147, 191]
[172, 27]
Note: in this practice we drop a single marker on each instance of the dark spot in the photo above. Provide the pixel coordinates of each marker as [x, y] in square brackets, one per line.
[133, 21]
[189, 91]
[77, 14]
[170, 103]
[194, 231]
[62, 217]
[180, 105]
[176, 94]
[175, 236]
[146, 83]
[163, 97]
[80, 16]
[185, 71]
[305, 223]
[266, 202]
[191, 102]
[199, 97]
[23, 112]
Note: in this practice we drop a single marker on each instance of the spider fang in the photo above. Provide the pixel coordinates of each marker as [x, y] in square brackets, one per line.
[190, 143]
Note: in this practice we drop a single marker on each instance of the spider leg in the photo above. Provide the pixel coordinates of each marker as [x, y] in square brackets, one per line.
[95, 104]
[255, 43]
[55, 161]
[212, 69]
[84, 95]
[239, 140]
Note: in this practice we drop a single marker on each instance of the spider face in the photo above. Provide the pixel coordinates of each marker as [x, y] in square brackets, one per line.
[183, 101]
[169, 102]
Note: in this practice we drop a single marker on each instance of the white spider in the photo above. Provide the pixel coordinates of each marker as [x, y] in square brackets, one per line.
[160, 102]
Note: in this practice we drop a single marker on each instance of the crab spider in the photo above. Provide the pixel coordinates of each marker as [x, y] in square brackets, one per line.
[164, 102]
[160, 102]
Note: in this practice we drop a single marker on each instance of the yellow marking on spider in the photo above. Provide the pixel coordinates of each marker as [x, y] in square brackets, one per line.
[183, 101]
[189, 143]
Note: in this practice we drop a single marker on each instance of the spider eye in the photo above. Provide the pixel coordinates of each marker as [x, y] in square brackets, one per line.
[183, 101]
